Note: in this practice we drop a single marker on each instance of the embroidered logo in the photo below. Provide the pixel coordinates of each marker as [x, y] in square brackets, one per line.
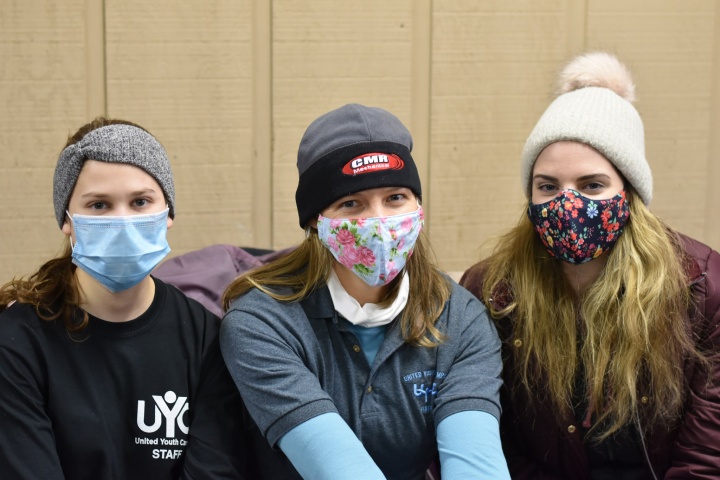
[372, 162]
[424, 387]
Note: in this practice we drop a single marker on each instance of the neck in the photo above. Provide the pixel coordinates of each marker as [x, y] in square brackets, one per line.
[583, 275]
[122, 306]
[356, 288]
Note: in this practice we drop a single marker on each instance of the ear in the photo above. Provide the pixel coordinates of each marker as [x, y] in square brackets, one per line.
[169, 222]
[312, 223]
[66, 228]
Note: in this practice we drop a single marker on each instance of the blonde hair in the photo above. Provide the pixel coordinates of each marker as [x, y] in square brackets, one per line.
[307, 268]
[630, 321]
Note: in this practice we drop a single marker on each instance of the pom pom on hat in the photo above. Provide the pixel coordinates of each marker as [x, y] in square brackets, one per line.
[597, 69]
[594, 107]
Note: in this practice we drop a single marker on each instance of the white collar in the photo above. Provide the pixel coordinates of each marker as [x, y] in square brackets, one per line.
[369, 315]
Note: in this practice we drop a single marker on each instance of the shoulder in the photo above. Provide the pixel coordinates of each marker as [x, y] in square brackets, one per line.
[21, 316]
[257, 323]
[176, 297]
[703, 269]
[21, 328]
[702, 266]
[463, 310]
[186, 313]
[256, 300]
[705, 258]
[473, 277]
[256, 308]
[459, 294]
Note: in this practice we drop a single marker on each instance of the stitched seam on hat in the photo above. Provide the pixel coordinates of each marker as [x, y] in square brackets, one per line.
[367, 127]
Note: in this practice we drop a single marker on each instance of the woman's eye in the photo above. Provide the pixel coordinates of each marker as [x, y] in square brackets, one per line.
[140, 202]
[594, 186]
[348, 204]
[546, 187]
[396, 197]
[97, 205]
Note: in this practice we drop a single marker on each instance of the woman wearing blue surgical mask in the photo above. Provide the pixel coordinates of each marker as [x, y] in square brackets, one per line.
[610, 320]
[105, 371]
[355, 356]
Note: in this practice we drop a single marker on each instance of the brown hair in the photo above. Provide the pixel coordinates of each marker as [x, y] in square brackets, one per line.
[307, 268]
[53, 289]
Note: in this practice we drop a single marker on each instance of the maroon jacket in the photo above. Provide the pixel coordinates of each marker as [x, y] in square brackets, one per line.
[538, 448]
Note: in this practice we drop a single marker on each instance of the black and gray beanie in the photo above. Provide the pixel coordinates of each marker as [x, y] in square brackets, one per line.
[350, 149]
[118, 143]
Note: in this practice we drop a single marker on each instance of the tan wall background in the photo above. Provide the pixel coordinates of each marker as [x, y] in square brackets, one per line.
[229, 86]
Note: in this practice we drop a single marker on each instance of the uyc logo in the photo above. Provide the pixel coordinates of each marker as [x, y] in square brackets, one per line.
[169, 406]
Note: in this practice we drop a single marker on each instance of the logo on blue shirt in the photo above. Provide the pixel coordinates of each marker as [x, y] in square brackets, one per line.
[424, 384]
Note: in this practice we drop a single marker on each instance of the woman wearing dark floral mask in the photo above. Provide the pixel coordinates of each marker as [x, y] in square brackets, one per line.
[354, 354]
[106, 372]
[609, 319]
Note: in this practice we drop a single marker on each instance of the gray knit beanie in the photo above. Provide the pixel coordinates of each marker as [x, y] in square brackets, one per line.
[594, 108]
[350, 149]
[117, 143]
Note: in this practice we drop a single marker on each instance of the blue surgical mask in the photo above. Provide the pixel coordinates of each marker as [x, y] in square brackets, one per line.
[119, 252]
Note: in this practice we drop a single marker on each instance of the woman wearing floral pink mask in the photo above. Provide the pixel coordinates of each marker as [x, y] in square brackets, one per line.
[609, 318]
[355, 355]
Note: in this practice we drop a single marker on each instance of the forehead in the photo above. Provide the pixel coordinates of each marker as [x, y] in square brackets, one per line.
[571, 158]
[114, 177]
[378, 191]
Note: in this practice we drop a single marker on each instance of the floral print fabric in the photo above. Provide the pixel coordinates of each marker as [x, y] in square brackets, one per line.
[577, 229]
[375, 249]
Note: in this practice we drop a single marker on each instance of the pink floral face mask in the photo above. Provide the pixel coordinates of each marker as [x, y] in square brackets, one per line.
[375, 249]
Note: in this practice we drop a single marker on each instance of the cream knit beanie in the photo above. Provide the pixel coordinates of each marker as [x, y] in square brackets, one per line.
[594, 107]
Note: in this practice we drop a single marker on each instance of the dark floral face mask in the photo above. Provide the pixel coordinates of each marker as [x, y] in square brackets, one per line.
[577, 229]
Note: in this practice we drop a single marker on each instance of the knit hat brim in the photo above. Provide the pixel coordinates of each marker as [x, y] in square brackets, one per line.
[600, 118]
[351, 169]
[350, 149]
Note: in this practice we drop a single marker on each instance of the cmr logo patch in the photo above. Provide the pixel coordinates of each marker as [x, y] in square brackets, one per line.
[372, 162]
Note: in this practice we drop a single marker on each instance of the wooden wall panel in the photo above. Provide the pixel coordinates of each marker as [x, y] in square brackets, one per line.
[327, 54]
[42, 93]
[230, 86]
[669, 49]
[492, 68]
[184, 71]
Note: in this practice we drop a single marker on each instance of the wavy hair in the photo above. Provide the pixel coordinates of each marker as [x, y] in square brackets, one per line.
[307, 268]
[53, 290]
[625, 333]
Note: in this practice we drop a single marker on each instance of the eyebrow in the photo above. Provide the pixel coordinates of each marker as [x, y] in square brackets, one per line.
[136, 193]
[592, 176]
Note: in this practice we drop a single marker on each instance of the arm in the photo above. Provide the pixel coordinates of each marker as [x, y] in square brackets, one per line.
[216, 441]
[276, 367]
[325, 448]
[696, 452]
[520, 464]
[469, 446]
[467, 406]
[27, 444]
